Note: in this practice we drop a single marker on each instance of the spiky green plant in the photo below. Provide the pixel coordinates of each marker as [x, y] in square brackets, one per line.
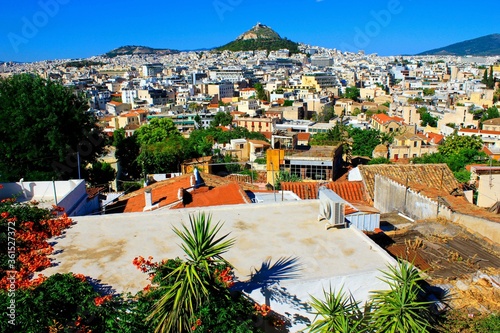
[400, 309]
[191, 282]
[337, 313]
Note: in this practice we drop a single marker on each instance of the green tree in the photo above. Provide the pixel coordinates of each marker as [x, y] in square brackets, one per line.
[285, 176]
[164, 156]
[490, 113]
[379, 160]
[192, 281]
[429, 91]
[158, 130]
[261, 93]
[426, 118]
[352, 93]
[221, 119]
[365, 141]
[127, 151]
[43, 125]
[455, 143]
[327, 113]
[101, 173]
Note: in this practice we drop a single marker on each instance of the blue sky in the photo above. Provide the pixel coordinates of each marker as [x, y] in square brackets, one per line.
[33, 30]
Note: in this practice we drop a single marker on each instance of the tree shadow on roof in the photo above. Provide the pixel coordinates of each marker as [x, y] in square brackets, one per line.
[285, 268]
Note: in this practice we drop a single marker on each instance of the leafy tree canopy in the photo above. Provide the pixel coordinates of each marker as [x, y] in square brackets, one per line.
[352, 93]
[43, 125]
[455, 143]
[158, 129]
[221, 119]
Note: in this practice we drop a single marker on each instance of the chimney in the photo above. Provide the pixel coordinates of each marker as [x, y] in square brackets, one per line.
[149, 197]
[180, 194]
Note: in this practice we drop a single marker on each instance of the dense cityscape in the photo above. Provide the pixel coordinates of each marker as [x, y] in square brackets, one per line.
[344, 179]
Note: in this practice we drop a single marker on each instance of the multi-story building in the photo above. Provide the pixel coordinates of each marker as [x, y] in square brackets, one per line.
[319, 81]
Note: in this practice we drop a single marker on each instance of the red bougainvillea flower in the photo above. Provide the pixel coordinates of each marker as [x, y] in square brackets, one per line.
[98, 301]
[80, 277]
[4, 215]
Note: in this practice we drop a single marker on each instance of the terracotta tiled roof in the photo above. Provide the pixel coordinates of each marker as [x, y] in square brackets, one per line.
[435, 138]
[165, 193]
[230, 194]
[349, 191]
[438, 176]
[115, 103]
[303, 136]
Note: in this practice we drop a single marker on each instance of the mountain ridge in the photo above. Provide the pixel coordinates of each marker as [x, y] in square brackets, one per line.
[260, 37]
[137, 49]
[488, 45]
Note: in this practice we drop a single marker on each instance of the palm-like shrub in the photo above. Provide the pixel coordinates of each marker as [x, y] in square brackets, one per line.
[400, 309]
[192, 282]
[337, 313]
[396, 310]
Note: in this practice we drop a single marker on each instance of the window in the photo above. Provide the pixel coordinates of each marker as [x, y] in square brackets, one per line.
[415, 144]
[241, 146]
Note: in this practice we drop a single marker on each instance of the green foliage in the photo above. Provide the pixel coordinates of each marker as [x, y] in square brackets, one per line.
[127, 150]
[327, 113]
[288, 103]
[101, 173]
[260, 160]
[488, 79]
[490, 113]
[454, 143]
[426, 118]
[61, 299]
[164, 156]
[399, 309]
[273, 44]
[285, 176]
[352, 93]
[83, 63]
[250, 173]
[261, 93]
[158, 130]
[43, 124]
[379, 160]
[337, 313]
[221, 119]
[365, 141]
[463, 176]
[192, 280]
[429, 91]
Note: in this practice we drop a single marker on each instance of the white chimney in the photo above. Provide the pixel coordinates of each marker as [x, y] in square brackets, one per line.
[149, 197]
[180, 194]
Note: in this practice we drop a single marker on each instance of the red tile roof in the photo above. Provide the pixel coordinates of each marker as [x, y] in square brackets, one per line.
[231, 194]
[435, 138]
[216, 191]
[349, 191]
[303, 136]
[164, 193]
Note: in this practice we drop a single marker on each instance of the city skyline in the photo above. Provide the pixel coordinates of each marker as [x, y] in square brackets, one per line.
[64, 29]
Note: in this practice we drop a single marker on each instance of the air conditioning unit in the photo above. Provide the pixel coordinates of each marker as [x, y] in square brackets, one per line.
[331, 209]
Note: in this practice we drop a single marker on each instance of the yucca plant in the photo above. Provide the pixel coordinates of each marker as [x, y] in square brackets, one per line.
[400, 309]
[337, 313]
[190, 284]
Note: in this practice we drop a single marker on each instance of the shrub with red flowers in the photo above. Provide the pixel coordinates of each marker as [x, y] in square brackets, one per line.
[24, 230]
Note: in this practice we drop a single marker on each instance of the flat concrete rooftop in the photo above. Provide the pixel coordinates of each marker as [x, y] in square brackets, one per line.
[104, 246]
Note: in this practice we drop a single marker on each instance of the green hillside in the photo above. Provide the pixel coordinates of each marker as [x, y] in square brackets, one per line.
[260, 37]
[483, 46]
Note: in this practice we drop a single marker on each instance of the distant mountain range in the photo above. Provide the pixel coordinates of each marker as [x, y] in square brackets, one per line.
[483, 46]
[133, 49]
[260, 37]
